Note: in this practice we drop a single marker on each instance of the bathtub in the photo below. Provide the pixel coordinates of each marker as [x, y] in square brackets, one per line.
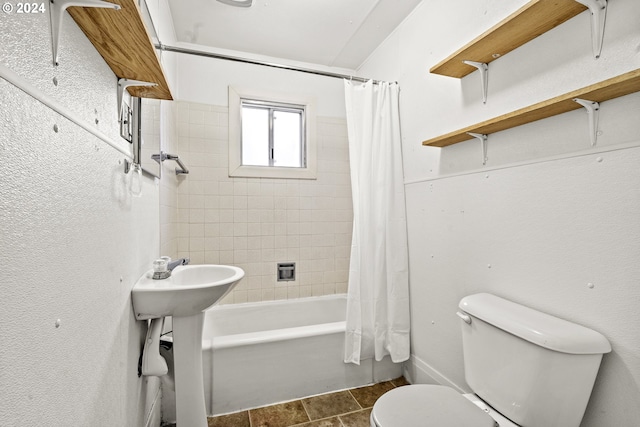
[257, 354]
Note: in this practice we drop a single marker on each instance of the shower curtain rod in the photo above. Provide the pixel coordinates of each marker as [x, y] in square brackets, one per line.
[166, 48]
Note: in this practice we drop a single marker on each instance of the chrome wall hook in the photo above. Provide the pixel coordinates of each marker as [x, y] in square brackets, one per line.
[56, 13]
[598, 9]
[484, 76]
[483, 138]
[592, 109]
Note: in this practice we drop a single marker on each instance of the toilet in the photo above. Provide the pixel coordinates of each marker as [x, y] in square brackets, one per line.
[525, 368]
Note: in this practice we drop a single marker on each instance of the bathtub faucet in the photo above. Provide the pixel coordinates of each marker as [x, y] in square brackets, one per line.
[174, 264]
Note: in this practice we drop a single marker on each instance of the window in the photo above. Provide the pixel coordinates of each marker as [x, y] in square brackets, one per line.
[271, 135]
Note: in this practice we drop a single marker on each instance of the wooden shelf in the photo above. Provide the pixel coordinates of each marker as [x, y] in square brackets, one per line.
[621, 85]
[530, 21]
[121, 37]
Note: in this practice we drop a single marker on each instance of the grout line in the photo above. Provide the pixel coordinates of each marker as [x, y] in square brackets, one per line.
[354, 398]
[352, 412]
[306, 411]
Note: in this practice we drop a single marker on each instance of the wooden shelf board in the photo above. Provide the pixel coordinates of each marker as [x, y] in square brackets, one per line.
[524, 25]
[621, 85]
[121, 37]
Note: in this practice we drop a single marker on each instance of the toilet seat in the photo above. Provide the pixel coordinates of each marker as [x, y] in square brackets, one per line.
[427, 405]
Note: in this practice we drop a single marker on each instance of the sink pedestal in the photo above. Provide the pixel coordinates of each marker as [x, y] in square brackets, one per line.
[184, 295]
[187, 358]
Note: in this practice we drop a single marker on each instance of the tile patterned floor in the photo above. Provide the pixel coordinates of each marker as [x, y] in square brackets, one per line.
[349, 408]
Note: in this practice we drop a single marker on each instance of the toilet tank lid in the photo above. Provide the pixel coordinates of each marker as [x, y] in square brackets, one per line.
[534, 326]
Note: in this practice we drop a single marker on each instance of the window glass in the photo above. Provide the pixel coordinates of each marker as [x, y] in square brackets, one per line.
[272, 135]
[287, 139]
[255, 136]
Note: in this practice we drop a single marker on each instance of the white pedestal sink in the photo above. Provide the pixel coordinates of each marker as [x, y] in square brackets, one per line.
[184, 295]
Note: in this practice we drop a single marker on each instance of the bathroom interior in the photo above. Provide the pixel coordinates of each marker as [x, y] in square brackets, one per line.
[541, 212]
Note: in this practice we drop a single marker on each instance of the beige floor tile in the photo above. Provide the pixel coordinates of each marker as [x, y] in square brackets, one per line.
[328, 405]
[239, 419]
[281, 415]
[398, 382]
[327, 422]
[356, 419]
[367, 396]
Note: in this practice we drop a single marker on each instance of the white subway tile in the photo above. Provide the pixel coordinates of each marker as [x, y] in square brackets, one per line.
[196, 230]
[226, 229]
[240, 215]
[211, 244]
[240, 229]
[211, 216]
[226, 257]
[254, 229]
[239, 243]
[196, 216]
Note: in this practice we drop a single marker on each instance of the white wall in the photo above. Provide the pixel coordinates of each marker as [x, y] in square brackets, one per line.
[547, 215]
[73, 239]
[206, 81]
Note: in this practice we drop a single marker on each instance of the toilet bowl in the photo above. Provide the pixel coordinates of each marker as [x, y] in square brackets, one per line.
[525, 367]
[434, 405]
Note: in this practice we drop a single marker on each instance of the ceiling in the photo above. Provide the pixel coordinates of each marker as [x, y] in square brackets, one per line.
[332, 33]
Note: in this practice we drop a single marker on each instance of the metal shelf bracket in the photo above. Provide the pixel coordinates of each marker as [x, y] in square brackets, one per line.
[123, 84]
[483, 138]
[484, 76]
[592, 109]
[598, 9]
[56, 13]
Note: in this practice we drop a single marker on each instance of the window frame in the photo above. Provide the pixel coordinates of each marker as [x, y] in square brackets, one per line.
[277, 100]
[272, 108]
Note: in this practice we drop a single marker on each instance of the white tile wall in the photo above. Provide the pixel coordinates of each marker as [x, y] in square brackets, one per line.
[150, 131]
[256, 223]
[169, 181]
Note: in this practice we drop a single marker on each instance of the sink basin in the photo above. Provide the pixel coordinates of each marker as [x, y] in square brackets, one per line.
[189, 290]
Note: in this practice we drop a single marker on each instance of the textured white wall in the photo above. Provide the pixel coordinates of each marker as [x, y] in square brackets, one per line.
[534, 231]
[73, 239]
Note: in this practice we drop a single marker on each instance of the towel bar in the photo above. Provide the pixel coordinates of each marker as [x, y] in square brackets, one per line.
[182, 170]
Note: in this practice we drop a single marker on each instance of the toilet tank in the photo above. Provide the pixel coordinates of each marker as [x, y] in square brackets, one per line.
[534, 368]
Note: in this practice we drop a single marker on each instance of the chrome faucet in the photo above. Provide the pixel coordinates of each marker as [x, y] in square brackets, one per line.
[163, 269]
[174, 264]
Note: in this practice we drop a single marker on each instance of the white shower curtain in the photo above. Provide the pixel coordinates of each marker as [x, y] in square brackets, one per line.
[378, 294]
